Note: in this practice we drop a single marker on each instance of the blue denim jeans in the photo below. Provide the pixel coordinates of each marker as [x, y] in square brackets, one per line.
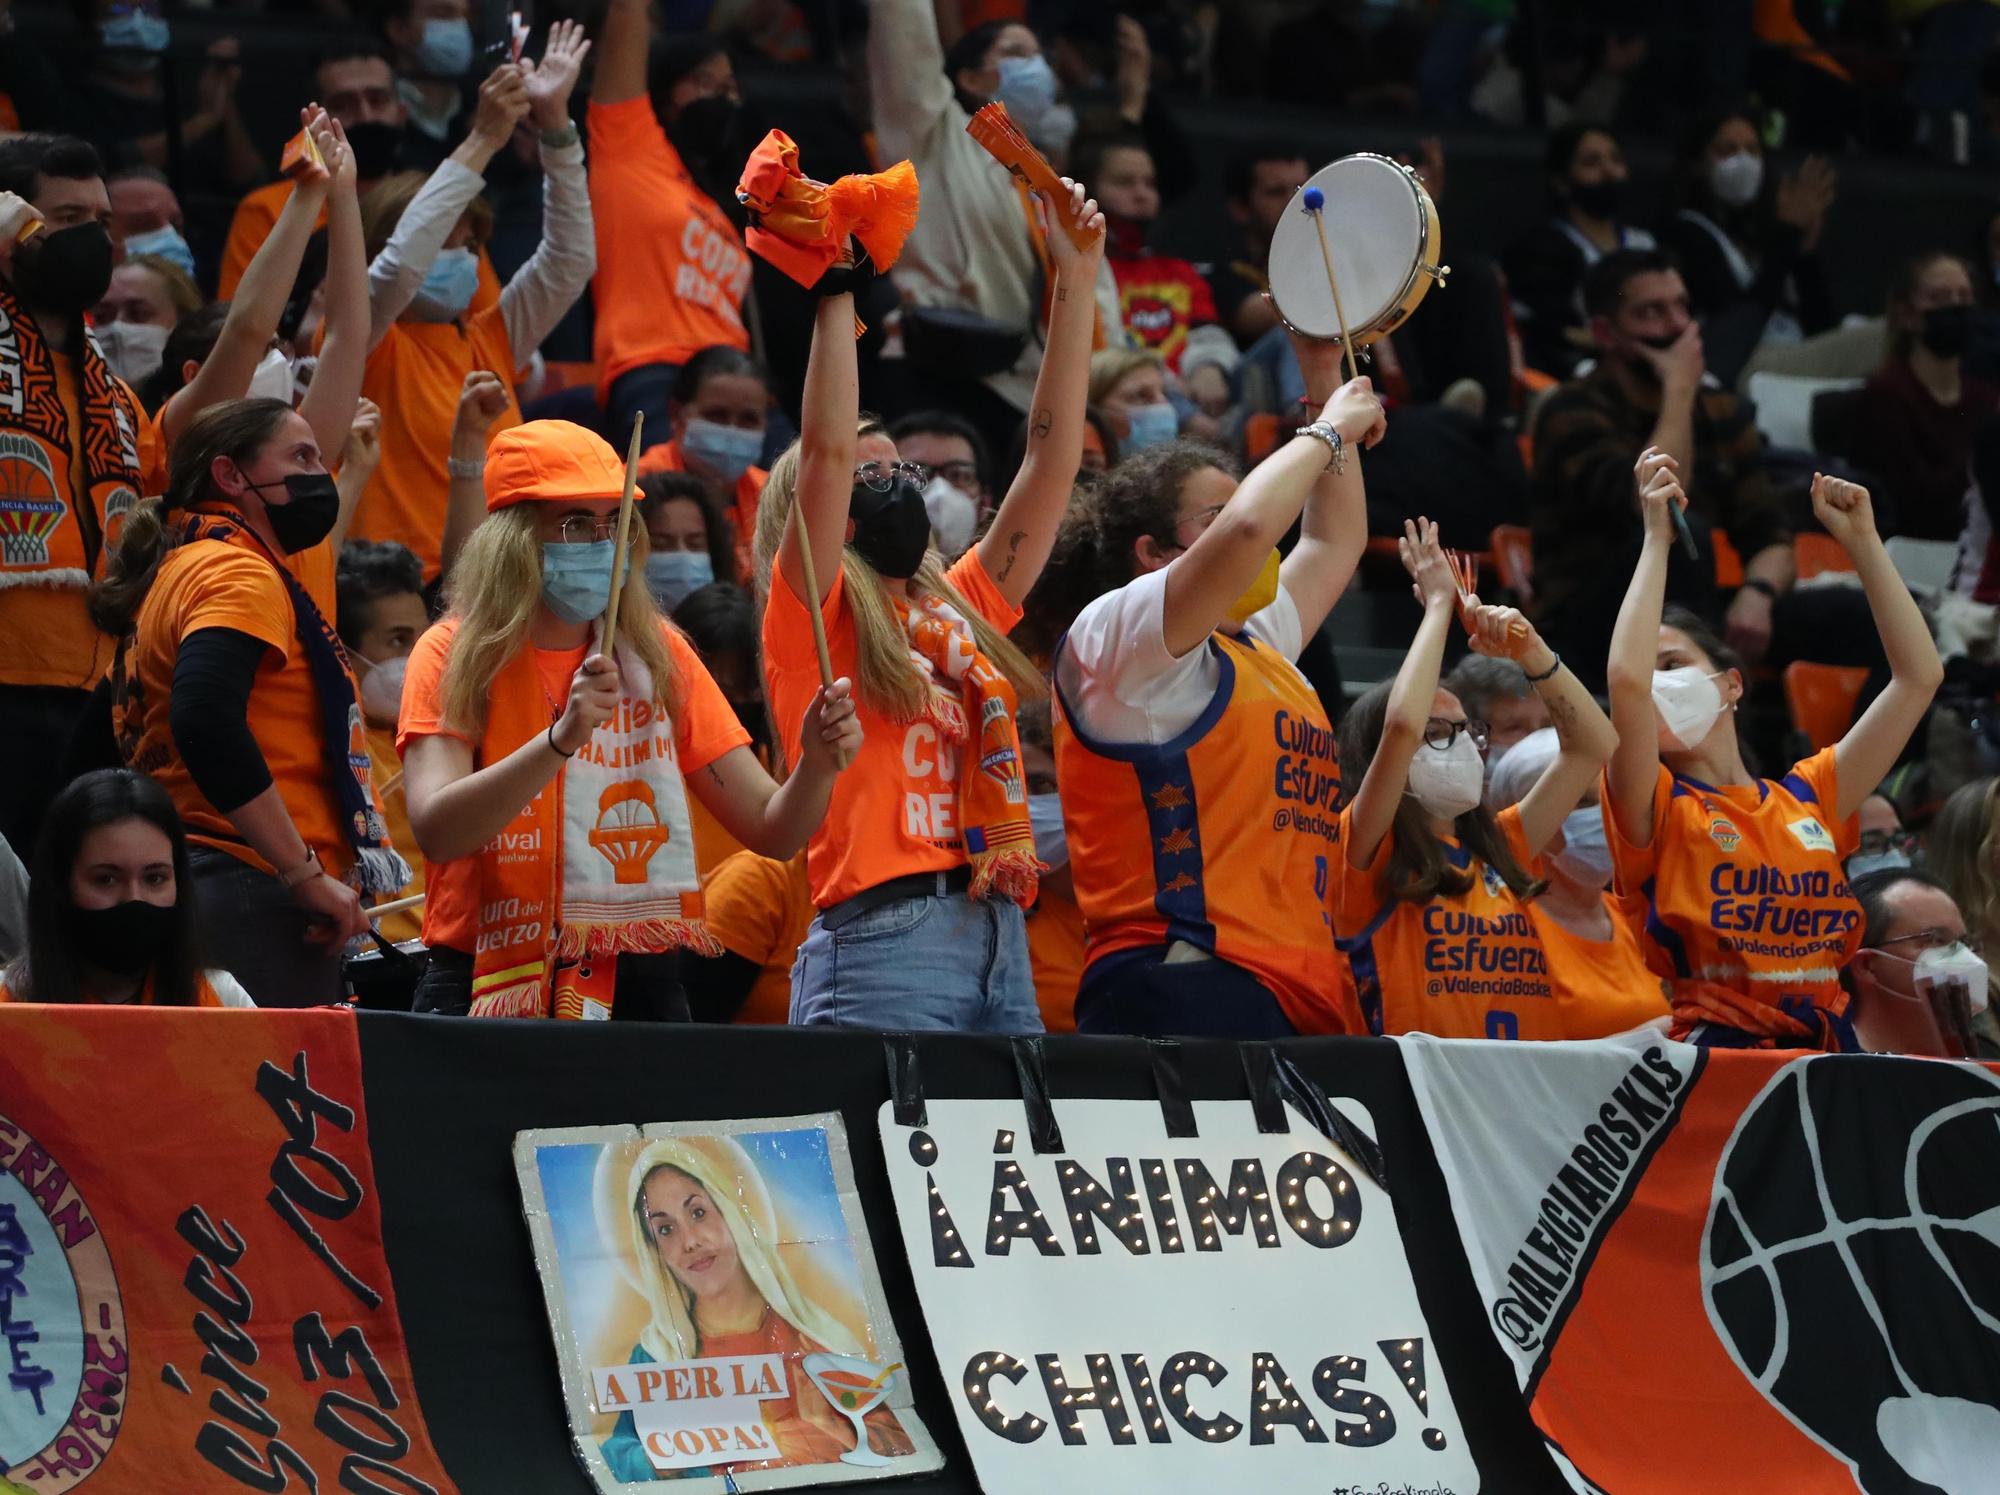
[939, 964]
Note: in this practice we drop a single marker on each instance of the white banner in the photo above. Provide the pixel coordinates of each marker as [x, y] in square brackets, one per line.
[1232, 1311]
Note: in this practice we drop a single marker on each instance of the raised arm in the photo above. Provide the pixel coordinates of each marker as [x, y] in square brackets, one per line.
[481, 399]
[1225, 559]
[910, 95]
[1333, 530]
[829, 412]
[360, 455]
[1635, 645]
[548, 285]
[398, 271]
[1872, 745]
[621, 60]
[259, 303]
[1018, 542]
[329, 404]
[1410, 698]
[1582, 728]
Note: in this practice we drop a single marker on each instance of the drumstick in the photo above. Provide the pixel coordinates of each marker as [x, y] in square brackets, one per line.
[622, 564]
[1315, 204]
[397, 906]
[1465, 576]
[813, 604]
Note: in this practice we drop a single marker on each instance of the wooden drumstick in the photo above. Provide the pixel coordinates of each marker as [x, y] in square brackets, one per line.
[1315, 204]
[623, 563]
[396, 906]
[813, 603]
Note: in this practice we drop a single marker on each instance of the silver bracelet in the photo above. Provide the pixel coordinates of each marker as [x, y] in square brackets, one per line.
[561, 135]
[460, 469]
[1323, 430]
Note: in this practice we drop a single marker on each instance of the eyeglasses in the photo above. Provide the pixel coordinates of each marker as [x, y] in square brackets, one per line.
[581, 529]
[881, 477]
[1200, 518]
[1934, 939]
[1875, 843]
[961, 475]
[1441, 734]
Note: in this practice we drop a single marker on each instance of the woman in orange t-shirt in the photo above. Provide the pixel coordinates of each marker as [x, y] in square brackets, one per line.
[1740, 880]
[719, 409]
[106, 920]
[234, 691]
[548, 784]
[927, 857]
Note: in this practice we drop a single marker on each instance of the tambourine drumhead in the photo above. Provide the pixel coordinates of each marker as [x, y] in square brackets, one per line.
[1380, 225]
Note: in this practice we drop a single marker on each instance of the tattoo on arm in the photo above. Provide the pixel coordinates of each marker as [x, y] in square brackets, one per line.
[1061, 294]
[1013, 553]
[1562, 715]
[1043, 423]
[716, 774]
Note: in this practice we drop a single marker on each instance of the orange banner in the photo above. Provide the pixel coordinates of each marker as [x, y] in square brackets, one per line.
[193, 1290]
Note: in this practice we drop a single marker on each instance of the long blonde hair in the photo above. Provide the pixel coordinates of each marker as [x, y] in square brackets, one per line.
[730, 1178]
[492, 595]
[1962, 850]
[886, 678]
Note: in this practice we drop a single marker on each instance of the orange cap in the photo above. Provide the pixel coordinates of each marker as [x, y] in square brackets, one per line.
[552, 461]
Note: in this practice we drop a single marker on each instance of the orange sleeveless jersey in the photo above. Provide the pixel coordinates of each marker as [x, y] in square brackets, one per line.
[1222, 838]
[1743, 892]
[1464, 965]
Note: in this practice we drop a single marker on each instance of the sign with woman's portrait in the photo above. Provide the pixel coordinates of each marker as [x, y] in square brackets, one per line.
[716, 1307]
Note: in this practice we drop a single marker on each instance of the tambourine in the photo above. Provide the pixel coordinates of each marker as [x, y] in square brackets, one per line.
[1380, 249]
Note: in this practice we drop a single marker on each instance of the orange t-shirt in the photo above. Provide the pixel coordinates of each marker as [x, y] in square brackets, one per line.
[705, 727]
[1055, 950]
[671, 267]
[761, 910]
[415, 375]
[666, 457]
[1601, 986]
[895, 809]
[46, 636]
[257, 214]
[1743, 887]
[388, 771]
[1463, 965]
[213, 584]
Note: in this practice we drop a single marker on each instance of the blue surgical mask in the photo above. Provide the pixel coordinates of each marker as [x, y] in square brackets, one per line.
[726, 451]
[135, 31]
[1152, 425]
[1586, 853]
[1028, 89]
[163, 243]
[448, 286]
[446, 50]
[1051, 840]
[576, 579]
[672, 574]
[1864, 862]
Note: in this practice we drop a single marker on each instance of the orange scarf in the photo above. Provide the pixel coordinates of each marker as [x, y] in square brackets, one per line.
[801, 225]
[992, 791]
[600, 862]
[1793, 1022]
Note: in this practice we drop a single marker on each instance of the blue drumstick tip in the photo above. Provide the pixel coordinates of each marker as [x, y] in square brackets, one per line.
[1314, 199]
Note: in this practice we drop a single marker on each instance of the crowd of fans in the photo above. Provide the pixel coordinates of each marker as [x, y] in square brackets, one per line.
[975, 670]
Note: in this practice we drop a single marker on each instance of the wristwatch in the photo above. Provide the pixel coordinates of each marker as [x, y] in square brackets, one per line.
[1758, 584]
[460, 469]
[305, 872]
[1323, 430]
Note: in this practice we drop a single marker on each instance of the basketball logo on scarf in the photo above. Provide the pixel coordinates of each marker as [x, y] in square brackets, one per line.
[29, 508]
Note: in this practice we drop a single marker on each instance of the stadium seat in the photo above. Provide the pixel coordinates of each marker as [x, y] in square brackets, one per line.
[1728, 564]
[1814, 553]
[1260, 436]
[1821, 698]
[1514, 559]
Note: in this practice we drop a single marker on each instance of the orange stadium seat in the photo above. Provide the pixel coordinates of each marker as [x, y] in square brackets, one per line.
[1821, 698]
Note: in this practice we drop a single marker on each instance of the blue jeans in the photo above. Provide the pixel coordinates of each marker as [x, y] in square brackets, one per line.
[937, 964]
[1137, 992]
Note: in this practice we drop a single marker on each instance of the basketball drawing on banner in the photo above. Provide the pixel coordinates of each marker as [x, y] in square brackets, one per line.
[1862, 1294]
[716, 1307]
[1227, 1311]
[63, 1370]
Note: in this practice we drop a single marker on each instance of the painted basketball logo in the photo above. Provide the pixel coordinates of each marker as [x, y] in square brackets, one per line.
[628, 832]
[30, 511]
[997, 757]
[62, 1323]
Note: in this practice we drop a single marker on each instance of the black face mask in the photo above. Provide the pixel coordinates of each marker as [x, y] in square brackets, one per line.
[892, 530]
[704, 128]
[1946, 329]
[310, 515]
[1598, 199]
[374, 145]
[66, 270]
[124, 939]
